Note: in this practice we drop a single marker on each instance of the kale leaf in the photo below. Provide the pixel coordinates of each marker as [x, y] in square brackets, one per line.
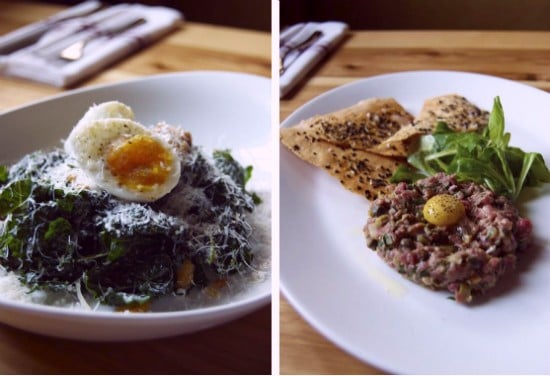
[228, 165]
[122, 252]
[225, 162]
[4, 174]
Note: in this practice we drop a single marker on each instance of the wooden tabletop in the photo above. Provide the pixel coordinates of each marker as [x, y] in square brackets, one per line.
[520, 56]
[244, 346]
[193, 46]
[239, 347]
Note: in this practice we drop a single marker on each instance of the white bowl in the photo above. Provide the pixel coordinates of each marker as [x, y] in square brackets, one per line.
[220, 109]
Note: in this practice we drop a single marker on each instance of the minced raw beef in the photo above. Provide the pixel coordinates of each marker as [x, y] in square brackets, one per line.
[466, 258]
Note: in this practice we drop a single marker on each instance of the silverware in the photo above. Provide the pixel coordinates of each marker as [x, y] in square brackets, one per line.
[299, 46]
[75, 51]
[30, 34]
[53, 47]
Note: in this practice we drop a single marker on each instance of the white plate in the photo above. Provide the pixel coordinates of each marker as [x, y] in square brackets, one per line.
[347, 292]
[220, 109]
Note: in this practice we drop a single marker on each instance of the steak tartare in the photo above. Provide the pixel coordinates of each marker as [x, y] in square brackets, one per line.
[466, 255]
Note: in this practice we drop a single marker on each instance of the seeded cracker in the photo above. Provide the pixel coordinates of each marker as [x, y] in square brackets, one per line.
[455, 110]
[368, 140]
[339, 142]
[361, 126]
[359, 171]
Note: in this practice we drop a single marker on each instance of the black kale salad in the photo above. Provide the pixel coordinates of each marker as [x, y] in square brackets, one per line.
[121, 253]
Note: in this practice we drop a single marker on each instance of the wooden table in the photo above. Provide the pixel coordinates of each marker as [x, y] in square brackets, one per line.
[194, 46]
[240, 347]
[520, 56]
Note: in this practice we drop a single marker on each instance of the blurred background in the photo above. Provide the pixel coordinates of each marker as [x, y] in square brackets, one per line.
[367, 14]
[247, 14]
[421, 14]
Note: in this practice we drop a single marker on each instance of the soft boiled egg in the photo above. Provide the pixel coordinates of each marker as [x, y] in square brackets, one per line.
[122, 156]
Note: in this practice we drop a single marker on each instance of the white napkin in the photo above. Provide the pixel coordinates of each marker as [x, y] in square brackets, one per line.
[30, 33]
[298, 63]
[41, 62]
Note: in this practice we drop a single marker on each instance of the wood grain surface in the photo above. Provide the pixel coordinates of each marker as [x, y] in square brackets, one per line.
[516, 55]
[239, 347]
[244, 346]
[193, 46]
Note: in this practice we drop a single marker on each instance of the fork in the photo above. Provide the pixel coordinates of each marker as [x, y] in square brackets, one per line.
[75, 51]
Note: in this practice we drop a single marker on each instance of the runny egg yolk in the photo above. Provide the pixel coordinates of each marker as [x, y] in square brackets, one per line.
[443, 210]
[140, 162]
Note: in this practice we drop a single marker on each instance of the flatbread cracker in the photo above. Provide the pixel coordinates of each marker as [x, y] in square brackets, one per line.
[455, 110]
[459, 113]
[359, 171]
[363, 145]
[361, 126]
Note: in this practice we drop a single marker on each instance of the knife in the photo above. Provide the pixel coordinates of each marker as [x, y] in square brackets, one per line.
[30, 34]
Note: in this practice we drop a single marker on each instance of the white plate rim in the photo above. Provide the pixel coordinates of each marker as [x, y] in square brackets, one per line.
[132, 81]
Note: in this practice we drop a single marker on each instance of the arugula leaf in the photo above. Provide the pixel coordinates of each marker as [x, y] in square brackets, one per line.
[495, 128]
[407, 174]
[483, 157]
[528, 160]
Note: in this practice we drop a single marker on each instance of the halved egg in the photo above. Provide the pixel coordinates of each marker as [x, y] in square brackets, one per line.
[122, 156]
[107, 110]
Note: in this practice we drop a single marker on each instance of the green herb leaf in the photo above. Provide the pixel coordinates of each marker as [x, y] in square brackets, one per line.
[229, 166]
[407, 174]
[247, 174]
[496, 125]
[59, 227]
[4, 174]
[257, 199]
[14, 195]
[484, 157]
[240, 175]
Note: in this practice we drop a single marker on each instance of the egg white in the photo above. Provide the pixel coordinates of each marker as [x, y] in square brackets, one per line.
[107, 110]
[99, 131]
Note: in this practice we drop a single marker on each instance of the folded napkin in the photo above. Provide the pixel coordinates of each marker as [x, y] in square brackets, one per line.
[30, 33]
[110, 34]
[298, 63]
